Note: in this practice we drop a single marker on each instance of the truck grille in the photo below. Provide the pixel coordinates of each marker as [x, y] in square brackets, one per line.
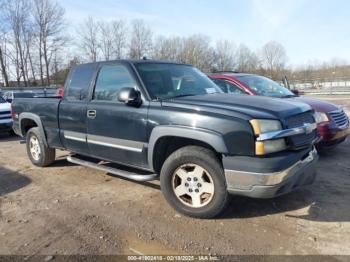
[5, 115]
[340, 118]
[299, 120]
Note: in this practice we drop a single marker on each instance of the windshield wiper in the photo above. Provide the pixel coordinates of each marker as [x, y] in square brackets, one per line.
[184, 95]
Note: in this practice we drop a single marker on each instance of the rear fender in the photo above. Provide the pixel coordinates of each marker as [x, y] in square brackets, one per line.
[36, 119]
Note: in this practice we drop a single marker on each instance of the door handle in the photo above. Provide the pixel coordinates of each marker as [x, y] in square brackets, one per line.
[91, 114]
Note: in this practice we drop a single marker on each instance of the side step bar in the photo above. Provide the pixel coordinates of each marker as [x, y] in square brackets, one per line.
[114, 171]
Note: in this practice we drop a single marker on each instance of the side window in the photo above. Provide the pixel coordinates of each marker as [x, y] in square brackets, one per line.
[232, 88]
[228, 87]
[80, 82]
[221, 84]
[110, 80]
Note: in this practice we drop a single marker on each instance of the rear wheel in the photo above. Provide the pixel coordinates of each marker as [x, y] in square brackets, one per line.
[193, 182]
[37, 151]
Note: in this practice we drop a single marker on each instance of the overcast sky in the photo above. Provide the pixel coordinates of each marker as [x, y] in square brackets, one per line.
[309, 29]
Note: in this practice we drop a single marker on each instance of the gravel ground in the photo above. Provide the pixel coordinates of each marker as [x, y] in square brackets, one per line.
[68, 209]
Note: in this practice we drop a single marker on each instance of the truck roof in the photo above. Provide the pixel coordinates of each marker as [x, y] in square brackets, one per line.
[135, 61]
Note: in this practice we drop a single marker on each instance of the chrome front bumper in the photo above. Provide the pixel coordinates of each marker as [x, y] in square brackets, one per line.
[269, 185]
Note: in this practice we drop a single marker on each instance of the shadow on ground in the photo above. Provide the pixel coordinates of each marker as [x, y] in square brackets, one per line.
[11, 181]
[323, 206]
[62, 162]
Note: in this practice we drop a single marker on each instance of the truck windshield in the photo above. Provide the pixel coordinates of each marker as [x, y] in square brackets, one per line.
[2, 100]
[264, 86]
[165, 81]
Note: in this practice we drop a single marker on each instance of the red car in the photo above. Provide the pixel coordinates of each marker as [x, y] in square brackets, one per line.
[332, 122]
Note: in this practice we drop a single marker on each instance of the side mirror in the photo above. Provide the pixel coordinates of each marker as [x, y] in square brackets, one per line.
[130, 96]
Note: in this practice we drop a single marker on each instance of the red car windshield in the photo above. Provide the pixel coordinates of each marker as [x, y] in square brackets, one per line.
[263, 86]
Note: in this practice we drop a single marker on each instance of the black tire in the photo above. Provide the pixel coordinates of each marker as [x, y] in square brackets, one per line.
[47, 155]
[205, 159]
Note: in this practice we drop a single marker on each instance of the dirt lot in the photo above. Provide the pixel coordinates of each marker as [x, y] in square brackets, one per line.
[67, 209]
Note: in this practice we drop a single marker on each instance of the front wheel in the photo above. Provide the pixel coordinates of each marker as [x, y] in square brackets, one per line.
[193, 182]
[38, 152]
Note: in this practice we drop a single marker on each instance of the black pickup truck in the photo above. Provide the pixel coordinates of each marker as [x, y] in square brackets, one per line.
[144, 120]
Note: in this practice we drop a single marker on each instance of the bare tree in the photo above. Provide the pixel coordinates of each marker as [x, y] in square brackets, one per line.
[3, 46]
[246, 59]
[106, 43]
[89, 41]
[141, 40]
[197, 51]
[224, 55]
[167, 48]
[274, 58]
[3, 64]
[15, 12]
[49, 21]
[29, 42]
[119, 33]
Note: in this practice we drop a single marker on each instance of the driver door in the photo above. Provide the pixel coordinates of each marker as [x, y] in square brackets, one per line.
[116, 131]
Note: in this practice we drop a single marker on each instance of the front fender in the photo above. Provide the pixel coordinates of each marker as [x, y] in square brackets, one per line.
[212, 138]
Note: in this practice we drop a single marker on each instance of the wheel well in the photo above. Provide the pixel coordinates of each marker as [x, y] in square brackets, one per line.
[165, 146]
[26, 125]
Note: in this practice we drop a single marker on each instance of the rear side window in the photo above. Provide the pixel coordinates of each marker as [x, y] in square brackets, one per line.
[80, 81]
[110, 80]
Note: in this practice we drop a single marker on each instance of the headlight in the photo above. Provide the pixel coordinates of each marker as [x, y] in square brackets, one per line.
[321, 117]
[261, 126]
[270, 146]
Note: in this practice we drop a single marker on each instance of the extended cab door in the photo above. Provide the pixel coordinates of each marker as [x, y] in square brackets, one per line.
[72, 111]
[115, 131]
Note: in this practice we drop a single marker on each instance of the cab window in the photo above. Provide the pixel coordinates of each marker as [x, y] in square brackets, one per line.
[80, 82]
[110, 80]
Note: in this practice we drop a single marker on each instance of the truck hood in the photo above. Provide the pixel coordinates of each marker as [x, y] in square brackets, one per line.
[317, 105]
[5, 107]
[232, 104]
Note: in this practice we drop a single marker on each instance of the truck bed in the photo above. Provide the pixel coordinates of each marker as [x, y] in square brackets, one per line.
[47, 110]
